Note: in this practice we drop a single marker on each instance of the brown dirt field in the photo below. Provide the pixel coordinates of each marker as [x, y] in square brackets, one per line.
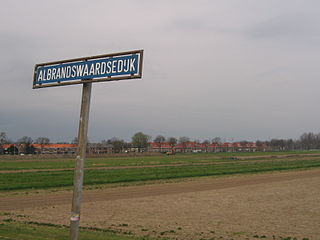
[268, 206]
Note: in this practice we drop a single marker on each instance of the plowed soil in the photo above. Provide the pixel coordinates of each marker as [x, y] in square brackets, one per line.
[267, 206]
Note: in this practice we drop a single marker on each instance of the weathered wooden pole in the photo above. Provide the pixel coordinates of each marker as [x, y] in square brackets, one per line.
[79, 167]
[85, 71]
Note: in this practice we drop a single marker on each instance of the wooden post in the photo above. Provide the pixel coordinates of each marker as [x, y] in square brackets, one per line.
[79, 167]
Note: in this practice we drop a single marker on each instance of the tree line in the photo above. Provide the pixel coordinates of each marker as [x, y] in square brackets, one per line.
[307, 141]
[140, 140]
[25, 141]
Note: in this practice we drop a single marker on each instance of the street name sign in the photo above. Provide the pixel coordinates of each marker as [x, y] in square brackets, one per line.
[108, 67]
[85, 71]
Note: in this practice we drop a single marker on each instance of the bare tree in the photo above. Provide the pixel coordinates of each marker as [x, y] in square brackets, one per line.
[183, 141]
[206, 144]
[42, 141]
[75, 141]
[260, 145]
[216, 140]
[3, 138]
[25, 140]
[310, 141]
[172, 142]
[26, 145]
[159, 140]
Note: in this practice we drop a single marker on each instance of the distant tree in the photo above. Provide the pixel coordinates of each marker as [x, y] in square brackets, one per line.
[196, 142]
[127, 146]
[106, 141]
[140, 141]
[206, 144]
[42, 141]
[306, 141]
[244, 143]
[289, 145]
[159, 140]
[75, 141]
[25, 145]
[117, 144]
[25, 140]
[260, 145]
[277, 144]
[30, 149]
[216, 140]
[183, 141]
[310, 141]
[172, 142]
[3, 138]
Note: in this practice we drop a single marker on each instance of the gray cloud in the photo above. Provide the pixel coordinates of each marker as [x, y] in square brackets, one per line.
[291, 27]
[239, 70]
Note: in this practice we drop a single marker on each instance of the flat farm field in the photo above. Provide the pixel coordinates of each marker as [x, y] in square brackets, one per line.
[272, 196]
[52, 173]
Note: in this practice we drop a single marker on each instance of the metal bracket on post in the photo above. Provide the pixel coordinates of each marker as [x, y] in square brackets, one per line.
[79, 167]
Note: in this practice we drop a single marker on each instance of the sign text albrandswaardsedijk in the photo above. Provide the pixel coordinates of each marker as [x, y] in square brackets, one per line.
[100, 68]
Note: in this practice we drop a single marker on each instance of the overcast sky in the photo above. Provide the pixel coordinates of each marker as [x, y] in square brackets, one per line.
[237, 69]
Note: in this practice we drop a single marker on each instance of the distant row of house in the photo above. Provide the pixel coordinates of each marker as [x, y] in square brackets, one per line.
[39, 148]
[202, 147]
[99, 148]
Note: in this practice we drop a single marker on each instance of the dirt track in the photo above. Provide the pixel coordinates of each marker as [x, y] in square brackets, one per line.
[239, 207]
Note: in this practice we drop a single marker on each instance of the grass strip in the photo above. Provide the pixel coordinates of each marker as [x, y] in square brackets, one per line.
[11, 230]
[46, 180]
[64, 163]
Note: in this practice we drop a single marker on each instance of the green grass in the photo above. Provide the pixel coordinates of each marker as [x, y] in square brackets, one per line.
[63, 163]
[35, 231]
[107, 162]
[56, 179]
